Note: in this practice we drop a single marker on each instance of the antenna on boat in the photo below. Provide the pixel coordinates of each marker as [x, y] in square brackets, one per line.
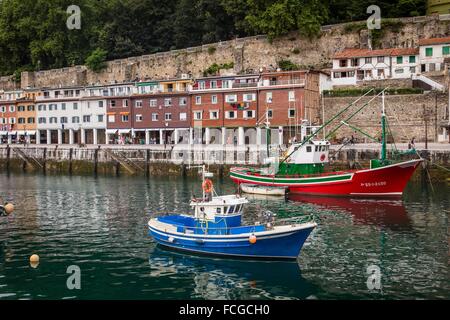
[383, 128]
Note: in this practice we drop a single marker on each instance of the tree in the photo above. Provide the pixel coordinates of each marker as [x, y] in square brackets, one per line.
[97, 60]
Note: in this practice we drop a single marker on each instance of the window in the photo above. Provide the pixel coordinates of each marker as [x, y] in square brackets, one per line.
[231, 115]
[30, 108]
[100, 104]
[291, 113]
[75, 119]
[139, 118]
[399, 60]
[11, 108]
[100, 118]
[183, 101]
[197, 115]
[428, 52]
[249, 114]
[42, 107]
[21, 120]
[368, 60]
[399, 70]
[63, 120]
[125, 103]
[183, 116]
[111, 118]
[138, 104]
[214, 99]
[20, 109]
[198, 100]
[412, 59]
[337, 75]
[201, 85]
[231, 98]
[355, 62]
[86, 119]
[445, 50]
[213, 84]
[380, 59]
[168, 117]
[53, 120]
[342, 63]
[214, 115]
[75, 106]
[42, 120]
[380, 72]
[248, 97]
[112, 103]
[63, 106]
[226, 84]
[269, 97]
[308, 149]
[168, 102]
[412, 69]
[291, 95]
[154, 117]
[270, 114]
[12, 120]
[125, 118]
[153, 103]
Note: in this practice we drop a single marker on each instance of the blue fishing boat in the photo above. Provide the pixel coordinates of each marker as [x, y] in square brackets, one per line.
[215, 228]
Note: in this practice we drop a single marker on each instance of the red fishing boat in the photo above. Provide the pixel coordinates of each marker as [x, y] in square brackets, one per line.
[302, 169]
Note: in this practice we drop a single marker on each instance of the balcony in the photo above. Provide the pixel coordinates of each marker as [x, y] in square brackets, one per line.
[270, 83]
[245, 85]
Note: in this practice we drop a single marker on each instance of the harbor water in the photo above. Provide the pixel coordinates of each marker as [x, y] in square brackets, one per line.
[99, 225]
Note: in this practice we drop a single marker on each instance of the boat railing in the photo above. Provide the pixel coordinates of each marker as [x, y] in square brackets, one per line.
[267, 225]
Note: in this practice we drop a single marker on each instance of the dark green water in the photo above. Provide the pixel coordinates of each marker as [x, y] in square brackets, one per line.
[100, 226]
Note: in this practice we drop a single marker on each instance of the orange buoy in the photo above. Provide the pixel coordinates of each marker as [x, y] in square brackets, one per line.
[207, 186]
[34, 258]
[252, 239]
[9, 208]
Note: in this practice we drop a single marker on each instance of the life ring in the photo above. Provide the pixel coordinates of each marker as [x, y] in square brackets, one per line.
[207, 186]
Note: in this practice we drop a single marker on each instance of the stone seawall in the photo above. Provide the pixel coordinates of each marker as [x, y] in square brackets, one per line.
[148, 162]
[248, 54]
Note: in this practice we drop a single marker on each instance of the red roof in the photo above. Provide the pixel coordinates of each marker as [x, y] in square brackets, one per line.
[424, 42]
[361, 53]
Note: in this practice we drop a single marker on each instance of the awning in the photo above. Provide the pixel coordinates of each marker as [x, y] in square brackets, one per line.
[27, 132]
[125, 113]
[111, 113]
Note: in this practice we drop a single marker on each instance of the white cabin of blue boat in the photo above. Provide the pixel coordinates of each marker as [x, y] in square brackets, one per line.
[220, 212]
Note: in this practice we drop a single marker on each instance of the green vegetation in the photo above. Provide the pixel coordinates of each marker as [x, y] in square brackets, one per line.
[97, 60]
[287, 65]
[34, 35]
[215, 68]
[211, 50]
[360, 91]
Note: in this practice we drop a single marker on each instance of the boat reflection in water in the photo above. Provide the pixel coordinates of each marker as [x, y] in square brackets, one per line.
[231, 278]
[380, 212]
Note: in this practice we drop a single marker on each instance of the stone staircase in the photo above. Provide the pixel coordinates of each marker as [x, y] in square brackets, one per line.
[128, 164]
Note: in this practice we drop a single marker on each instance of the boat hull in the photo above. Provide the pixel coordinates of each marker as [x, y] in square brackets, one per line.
[285, 244]
[385, 181]
[263, 190]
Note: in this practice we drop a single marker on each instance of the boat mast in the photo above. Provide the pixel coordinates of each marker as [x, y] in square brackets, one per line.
[383, 129]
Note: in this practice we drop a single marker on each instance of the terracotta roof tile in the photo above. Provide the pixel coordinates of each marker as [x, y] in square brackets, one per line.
[424, 42]
[404, 51]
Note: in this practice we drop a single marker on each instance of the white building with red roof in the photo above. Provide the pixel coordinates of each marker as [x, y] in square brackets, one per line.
[353, 65]
[434, 54]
